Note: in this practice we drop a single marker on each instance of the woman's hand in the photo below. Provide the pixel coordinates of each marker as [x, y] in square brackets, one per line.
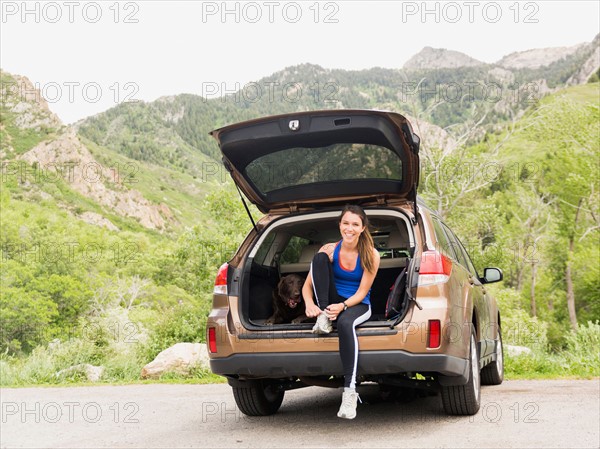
[312, 310]
[333, 310]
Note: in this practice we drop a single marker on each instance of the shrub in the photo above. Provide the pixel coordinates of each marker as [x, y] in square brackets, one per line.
[580, 358]
[518, 327]
[185, 323]
[110, 340]
[583, 350]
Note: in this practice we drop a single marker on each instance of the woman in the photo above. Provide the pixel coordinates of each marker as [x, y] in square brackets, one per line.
[340, 278]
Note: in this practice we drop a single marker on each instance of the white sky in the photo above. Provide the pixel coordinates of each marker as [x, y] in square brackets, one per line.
[88, 56]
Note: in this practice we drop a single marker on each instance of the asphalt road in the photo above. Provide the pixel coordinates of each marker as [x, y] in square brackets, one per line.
[547, 414]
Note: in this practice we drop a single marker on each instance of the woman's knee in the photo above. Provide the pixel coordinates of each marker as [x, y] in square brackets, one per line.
[320, 262]
[320, 258]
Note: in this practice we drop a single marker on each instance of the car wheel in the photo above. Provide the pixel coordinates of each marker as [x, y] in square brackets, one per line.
[257, 398]
[465, 399]
[493, 373]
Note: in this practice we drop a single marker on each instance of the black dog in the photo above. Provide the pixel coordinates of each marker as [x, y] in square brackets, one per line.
[288, 305]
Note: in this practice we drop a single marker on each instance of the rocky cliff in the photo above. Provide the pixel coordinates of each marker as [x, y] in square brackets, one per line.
[538, 57]
[438, 58]
[59, 152]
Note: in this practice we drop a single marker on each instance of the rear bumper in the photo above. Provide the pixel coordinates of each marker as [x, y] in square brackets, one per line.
[278, 365]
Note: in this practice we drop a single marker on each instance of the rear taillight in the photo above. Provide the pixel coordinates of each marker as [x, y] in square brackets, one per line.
[221, 281]
[433, 336]
[435, 268]
[212, 340]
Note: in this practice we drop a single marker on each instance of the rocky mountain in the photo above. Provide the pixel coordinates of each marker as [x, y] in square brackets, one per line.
[39, 152]
[591, 67]
[536, 58]
[440, 58]
[21, 98]
[581, 61]
[25, 115]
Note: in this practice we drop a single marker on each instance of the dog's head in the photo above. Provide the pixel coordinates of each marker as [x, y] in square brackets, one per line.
[290, 290]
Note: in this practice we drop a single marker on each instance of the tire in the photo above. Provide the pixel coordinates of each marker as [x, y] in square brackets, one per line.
[257, 398]
[493, 373]
[465, 399]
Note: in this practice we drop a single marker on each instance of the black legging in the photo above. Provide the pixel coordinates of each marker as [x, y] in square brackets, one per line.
[325, 294]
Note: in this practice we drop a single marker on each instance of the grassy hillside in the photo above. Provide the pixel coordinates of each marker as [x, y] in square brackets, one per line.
[570, 112]
[182, 191]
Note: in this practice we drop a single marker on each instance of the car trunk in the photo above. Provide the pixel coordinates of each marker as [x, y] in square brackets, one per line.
[303, 167]
[288, 245]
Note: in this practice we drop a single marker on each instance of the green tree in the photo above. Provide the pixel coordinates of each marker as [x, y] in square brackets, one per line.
[26, 318]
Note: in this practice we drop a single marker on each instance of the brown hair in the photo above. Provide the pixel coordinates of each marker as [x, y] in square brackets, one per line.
[365, 241]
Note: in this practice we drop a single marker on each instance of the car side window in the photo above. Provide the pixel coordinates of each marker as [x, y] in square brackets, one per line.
[460, 256]
[291, 254]
[468, 258]
[262, 252]
[465, 260]
[444, 243]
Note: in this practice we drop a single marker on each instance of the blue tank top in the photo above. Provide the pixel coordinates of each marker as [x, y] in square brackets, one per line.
[347, 282]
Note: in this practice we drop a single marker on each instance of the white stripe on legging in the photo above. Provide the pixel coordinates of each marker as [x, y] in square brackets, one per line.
[356, 322]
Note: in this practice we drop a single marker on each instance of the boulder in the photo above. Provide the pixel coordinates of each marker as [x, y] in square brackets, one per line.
[179, 358]
[91, 372]
[515, 351]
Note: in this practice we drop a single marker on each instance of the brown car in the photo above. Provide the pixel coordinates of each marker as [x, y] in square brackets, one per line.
[440, 332]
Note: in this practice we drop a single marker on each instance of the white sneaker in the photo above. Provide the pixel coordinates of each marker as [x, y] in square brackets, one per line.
[323, 325]
[348, 407]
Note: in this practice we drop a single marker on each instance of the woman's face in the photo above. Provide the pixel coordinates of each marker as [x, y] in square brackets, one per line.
[351, 227]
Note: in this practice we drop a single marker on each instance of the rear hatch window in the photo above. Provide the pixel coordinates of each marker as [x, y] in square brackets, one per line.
[340, 162]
